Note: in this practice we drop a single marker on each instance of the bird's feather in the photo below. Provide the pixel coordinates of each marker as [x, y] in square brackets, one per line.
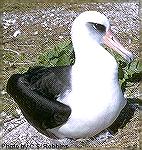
[32, 90]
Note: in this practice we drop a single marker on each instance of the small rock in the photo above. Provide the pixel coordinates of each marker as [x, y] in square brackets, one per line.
[43, 16]
[60, 37]
[3, 92]
[52, 15]
[36, 32]
[16, 33]
[18, 111]
[3, 114]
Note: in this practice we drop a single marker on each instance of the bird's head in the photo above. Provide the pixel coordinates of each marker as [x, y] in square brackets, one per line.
[97, 26]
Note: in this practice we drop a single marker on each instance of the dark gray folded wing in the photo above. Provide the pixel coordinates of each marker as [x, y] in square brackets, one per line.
[36, 91]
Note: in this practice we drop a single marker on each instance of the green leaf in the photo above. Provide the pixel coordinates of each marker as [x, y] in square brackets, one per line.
[128, 73]
[64, 60]
[61, 55]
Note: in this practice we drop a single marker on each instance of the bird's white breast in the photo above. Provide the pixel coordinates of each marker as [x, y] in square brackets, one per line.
[95, 100]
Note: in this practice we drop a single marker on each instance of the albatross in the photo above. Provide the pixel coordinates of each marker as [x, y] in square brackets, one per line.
[80, 100]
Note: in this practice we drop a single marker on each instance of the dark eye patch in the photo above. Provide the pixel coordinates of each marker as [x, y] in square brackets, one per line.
[98, 27]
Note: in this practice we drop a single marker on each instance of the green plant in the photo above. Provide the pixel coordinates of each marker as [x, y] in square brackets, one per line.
[60, 55]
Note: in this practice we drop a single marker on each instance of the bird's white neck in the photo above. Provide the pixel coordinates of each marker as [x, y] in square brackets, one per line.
[94, 70]
[89, 53]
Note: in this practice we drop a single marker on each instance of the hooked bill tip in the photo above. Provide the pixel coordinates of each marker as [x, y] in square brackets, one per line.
[129, 57]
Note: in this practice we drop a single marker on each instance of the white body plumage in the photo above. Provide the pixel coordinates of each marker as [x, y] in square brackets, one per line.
[96, 98]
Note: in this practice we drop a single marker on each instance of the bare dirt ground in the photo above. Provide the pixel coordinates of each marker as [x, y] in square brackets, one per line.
[28, 33]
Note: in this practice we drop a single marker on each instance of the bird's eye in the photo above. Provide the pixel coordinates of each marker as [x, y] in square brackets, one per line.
[99, 27]
[112, 38]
